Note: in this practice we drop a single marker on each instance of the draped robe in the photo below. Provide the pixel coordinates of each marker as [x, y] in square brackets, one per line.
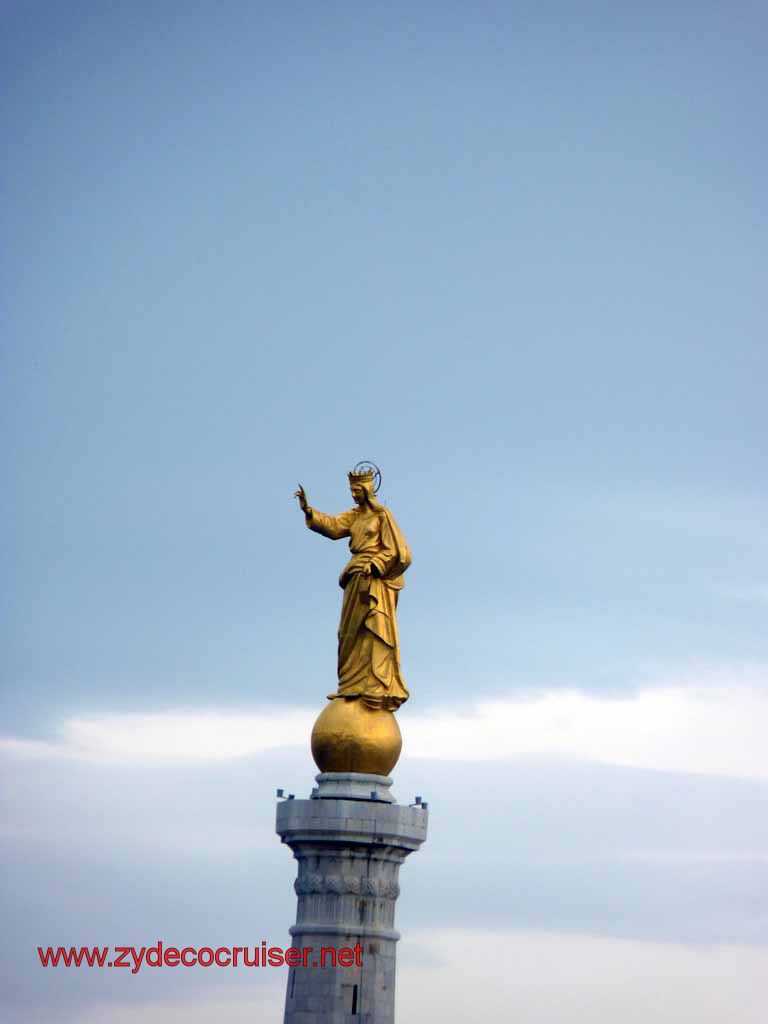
[369, 648]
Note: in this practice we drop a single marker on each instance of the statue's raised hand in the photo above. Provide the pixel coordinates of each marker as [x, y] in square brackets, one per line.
[301, 495]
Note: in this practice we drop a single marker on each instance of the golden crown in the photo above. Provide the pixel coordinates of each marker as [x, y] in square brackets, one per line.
[366, 473]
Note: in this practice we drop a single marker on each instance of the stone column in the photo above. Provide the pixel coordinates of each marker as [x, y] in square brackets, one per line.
[350, 839]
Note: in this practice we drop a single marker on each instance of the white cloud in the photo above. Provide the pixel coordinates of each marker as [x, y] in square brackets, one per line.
[712, 730]
[460, 976]
[544, 978]
[752, 592]
[218, 1005]
[693, 857]
[686, 729]
[171, 736]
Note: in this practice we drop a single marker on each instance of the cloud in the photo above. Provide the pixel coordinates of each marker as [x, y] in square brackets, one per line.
[220, 1004]
[699, 729]
[545, 978]
[460, 976]
[697, 857]
[753, 592]
[685, 729]
[170, 736]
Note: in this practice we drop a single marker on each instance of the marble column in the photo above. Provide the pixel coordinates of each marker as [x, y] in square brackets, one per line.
[349, 839]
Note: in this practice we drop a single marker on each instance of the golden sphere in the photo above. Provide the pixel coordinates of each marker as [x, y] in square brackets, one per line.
[348, 736]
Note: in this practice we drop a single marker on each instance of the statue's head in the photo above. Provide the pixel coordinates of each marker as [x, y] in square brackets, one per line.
[363, 482]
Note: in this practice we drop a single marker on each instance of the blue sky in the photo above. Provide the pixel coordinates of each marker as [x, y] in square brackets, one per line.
[514, 254]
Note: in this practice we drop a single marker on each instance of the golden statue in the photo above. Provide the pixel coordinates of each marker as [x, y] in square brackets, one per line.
[357, 732]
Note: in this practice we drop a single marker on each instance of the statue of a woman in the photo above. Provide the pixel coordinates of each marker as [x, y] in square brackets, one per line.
[369, 651]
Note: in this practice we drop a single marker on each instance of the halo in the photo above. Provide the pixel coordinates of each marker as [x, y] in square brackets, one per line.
[370, 467]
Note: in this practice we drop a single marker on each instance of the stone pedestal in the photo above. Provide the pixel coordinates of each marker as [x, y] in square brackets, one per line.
[350, 839]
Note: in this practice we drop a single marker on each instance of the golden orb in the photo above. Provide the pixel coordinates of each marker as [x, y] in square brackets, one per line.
[348, 736]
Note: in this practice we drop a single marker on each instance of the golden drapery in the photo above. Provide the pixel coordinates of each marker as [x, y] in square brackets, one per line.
[369, 648]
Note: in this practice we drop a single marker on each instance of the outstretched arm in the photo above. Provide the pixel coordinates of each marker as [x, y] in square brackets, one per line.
[334, 527]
